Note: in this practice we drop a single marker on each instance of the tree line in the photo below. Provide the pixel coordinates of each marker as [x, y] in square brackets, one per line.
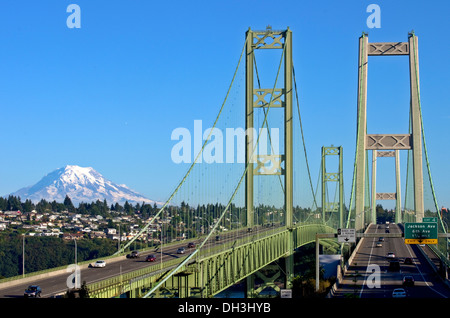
[43, 252]
[14, 203]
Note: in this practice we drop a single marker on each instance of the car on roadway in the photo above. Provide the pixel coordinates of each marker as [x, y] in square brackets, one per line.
[134, 254]
[399, 293]
[408, 260]
[32, 291]
[394, 266]
[408, 281]
[98, 264]
[390, 255]
[191, 245]
[150, 258]
[379, 244]
[181, 250]
[381, 239]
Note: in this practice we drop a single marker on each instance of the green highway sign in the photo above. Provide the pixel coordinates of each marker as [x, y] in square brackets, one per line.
[430, 219]
[421, 233]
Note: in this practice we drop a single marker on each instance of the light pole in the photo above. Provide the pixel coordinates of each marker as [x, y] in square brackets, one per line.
[23, 255]
[75, 251]
[118, 241]
[76, 266]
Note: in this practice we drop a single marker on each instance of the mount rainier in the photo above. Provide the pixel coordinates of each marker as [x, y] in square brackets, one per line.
[81, 185]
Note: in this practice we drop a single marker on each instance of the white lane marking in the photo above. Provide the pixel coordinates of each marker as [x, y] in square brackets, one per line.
[423, 278]
[370, 256]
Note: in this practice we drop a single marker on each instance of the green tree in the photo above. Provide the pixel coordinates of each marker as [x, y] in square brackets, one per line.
[28, 206]
[68, 204]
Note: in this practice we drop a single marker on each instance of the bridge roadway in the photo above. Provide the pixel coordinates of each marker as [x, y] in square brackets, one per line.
[427, 282]
[55, 285]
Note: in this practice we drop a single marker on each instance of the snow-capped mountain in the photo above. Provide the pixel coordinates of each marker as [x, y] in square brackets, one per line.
[81, 185]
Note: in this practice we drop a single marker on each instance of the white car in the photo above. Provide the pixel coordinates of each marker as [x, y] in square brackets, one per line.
[390, 255]
[99, 264]
[399, 293]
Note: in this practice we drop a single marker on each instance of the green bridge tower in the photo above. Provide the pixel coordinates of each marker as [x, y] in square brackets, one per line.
[388, 142]
[279, 97]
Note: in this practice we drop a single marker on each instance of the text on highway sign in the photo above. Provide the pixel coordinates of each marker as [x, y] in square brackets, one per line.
[346, 235]
[421, 233]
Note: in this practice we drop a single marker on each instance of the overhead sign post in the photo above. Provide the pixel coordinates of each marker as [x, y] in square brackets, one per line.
[346, 235]
[421, 233]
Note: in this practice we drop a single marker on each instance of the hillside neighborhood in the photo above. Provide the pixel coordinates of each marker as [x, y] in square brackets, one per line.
[71, 225]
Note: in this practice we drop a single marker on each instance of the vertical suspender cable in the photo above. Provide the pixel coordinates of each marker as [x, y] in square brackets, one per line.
[357, 135]
[193, 164]
[231, 199]
[303, 137]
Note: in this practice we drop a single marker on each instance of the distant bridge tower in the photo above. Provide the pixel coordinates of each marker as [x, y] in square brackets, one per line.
[279, 97]
[385, 142]
[327, 206]
[383, 195]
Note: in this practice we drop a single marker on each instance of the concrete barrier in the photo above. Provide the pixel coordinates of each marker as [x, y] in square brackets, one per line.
[33, 278]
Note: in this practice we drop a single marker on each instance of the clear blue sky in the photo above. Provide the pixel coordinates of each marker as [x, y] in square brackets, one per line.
[109, 94]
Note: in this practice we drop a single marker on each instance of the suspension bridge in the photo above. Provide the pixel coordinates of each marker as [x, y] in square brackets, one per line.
[248, 207]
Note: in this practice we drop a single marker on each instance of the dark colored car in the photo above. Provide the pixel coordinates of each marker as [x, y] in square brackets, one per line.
[408, 281]
[394, 266]
[408, 260]
[32, 291]
[150, 258]
[133, 254]
[191, 245]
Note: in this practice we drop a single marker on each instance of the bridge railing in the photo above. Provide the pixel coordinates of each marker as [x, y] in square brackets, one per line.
[304, 235]
[162, 267]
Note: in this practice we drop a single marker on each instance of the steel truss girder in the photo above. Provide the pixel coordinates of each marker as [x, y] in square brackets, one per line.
[210, 275]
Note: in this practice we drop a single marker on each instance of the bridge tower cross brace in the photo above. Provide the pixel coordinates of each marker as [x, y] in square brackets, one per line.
[384, 142]
[270, 39]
